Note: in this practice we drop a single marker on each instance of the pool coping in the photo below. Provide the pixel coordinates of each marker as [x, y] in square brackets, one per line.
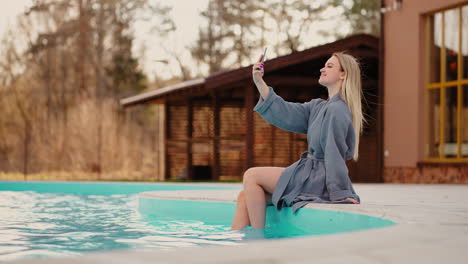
[432, 227]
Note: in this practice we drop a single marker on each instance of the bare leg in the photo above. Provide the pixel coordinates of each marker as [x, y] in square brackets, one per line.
[256, 204]
[259, 181]
[241, 217]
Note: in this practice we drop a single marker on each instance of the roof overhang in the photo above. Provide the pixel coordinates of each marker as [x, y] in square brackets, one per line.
[159, 93]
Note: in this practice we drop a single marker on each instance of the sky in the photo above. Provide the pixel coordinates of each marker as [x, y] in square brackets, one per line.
[10, 9]
[186, 16]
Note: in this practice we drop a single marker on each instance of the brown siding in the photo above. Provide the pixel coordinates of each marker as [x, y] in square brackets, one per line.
[203, 127]
[177, 158]
[202, 120]
[232, 157]
[232, 121]
[232, 134]
[276, 147]
[177, 122]
[232, 144]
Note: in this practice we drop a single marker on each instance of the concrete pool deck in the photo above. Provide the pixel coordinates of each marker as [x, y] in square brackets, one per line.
[432, 227]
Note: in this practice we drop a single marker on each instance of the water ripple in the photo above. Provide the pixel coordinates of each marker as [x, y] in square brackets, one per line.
[39, 225]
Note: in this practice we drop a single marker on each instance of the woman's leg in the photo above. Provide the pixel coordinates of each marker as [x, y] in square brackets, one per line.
[259, 181]
[241, 217]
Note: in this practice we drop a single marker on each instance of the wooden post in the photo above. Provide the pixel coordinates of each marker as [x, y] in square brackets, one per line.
[216, 126]
[249, 137]
[189, 138]
[166, 141]
[161, 142]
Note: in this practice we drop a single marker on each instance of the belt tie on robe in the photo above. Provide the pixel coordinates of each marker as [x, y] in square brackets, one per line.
[310, 162]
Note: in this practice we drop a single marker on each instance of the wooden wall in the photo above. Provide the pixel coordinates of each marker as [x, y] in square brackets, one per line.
[272, 146]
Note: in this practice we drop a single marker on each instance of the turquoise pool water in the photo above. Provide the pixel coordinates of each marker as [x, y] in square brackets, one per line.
[279, 224]
[49, 219]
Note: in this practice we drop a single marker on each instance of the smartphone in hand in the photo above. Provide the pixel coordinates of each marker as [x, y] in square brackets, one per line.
[264, 55]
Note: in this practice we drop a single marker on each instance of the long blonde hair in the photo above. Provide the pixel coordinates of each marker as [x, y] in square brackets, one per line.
[351, 92]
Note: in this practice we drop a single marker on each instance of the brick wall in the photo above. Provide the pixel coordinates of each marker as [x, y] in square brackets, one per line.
[453, 174]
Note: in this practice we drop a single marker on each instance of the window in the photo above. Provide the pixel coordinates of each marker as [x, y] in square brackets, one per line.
[446, 91]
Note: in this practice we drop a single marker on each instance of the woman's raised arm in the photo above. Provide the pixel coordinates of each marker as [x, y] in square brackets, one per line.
[257, 74]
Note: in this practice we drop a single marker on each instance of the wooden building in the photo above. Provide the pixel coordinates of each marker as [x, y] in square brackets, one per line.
[212, 132]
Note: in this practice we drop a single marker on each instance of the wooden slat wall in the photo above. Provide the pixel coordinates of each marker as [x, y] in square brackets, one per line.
[177, 158]
[232, 144]
[177, 122]
[176, 151]
[203, 127]
[262, 138]
[202, 120]
[232, 158]
[232, 121]
[274, 146]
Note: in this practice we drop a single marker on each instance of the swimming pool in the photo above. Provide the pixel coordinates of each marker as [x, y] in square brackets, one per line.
[48, 219]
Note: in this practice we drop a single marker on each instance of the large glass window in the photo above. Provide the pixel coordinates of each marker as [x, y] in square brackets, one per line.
[446, 105]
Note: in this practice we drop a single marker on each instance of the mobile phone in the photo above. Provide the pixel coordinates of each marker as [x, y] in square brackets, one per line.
[264, 55]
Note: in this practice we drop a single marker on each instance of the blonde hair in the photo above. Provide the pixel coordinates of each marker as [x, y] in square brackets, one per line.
[351, 92]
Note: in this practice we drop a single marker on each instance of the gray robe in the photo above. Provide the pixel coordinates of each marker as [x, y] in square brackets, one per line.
[320, 175]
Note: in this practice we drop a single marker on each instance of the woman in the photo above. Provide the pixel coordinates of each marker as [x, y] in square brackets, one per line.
[321, 175]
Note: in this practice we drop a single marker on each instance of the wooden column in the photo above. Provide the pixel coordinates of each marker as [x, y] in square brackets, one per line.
[161, 139]
[189, 138]
[216, 127]
[249, 137]
[166, 141]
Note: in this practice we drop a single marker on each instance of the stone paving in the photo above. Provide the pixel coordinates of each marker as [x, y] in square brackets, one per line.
[432, 228]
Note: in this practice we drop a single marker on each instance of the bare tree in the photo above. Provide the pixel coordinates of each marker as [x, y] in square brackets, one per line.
[61, 86]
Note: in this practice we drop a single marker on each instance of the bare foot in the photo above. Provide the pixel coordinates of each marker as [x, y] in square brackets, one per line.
[352, 200]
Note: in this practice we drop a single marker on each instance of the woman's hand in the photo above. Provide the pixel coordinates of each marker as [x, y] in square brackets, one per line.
[258, 71]
[257, 74]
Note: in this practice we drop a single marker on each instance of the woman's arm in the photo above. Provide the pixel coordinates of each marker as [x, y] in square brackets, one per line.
[293, 117]
[275, 110]
[257, 74]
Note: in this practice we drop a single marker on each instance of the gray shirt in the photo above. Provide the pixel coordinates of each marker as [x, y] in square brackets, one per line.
[321, 174]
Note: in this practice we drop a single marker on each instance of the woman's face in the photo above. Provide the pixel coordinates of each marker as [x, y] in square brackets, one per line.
[331, 73]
